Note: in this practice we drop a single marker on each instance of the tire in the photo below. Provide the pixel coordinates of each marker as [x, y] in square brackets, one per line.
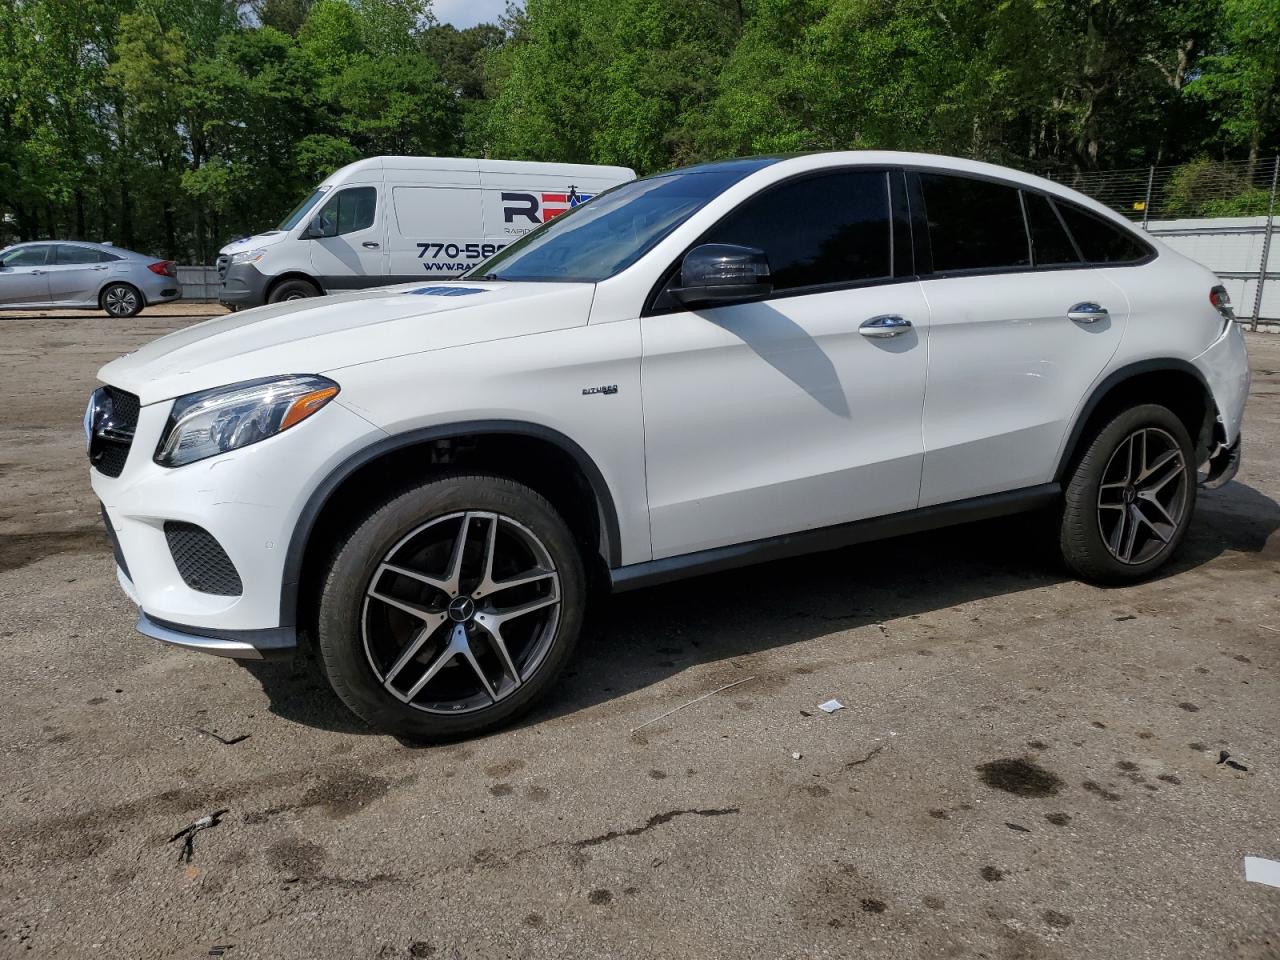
[121, 300]
[370, 616]
[1101, 537]
[293, 290]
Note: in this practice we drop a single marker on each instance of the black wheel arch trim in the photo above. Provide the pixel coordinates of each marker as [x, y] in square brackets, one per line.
[1115, 379]
[319, 497]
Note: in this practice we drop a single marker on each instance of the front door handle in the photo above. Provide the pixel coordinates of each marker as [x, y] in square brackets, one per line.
[371, 245]
[887, 325]
[1087, 312]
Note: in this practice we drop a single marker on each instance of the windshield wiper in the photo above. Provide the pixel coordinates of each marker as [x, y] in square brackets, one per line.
[489, 276]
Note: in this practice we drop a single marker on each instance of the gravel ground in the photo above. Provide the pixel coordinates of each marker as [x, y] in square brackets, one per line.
[1026, 766]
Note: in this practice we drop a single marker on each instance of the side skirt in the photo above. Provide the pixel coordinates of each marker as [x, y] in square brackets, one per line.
[637, 575]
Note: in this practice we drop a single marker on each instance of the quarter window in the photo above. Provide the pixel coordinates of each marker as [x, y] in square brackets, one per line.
[1050, 243]
[829, 229]
[348, 211]
[1100, 241]
[974, 224]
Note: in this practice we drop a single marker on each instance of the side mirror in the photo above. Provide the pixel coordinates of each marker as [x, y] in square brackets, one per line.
[315, 229]
[719, 273]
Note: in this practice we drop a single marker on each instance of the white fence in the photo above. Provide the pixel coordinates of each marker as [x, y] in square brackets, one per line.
[1232, 248]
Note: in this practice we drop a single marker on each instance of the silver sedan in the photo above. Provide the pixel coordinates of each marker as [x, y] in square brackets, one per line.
[84, 276]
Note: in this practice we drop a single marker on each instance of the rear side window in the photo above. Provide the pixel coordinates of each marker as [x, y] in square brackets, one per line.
[349, 210]
[1100, 241]
[1050, 244]
[974, 224]
[67, 255]
[828, 229]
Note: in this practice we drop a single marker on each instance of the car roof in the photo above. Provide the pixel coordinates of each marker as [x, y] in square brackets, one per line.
[104, 247]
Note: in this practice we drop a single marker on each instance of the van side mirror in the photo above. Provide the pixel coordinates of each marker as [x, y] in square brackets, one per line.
[715, 274]
[317, 229]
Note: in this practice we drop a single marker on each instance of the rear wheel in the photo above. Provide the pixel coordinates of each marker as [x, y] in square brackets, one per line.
[451, 609]
[1129, 500]
[121, 300]
[293, 290]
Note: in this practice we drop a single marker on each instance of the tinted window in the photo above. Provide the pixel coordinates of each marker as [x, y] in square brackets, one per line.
[1050, 244]
[1100, 241]
[974, 224]
[827, 229]
[349, 210]
[27, 256]
[67, 255]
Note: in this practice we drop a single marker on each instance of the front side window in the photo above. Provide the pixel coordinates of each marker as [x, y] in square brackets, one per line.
[26, 256]
[1051, 246]
[348, 211]
[974, 224]
[1100, 241]
[68, 255]
[817, 231]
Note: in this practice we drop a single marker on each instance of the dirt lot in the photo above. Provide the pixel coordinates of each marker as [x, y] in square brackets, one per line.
[1026, 768]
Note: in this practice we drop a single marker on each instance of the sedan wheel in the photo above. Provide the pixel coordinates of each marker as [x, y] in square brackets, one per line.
[121, 301]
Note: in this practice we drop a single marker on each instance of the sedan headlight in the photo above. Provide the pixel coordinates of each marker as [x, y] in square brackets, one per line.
[248, 256]
[214, 421]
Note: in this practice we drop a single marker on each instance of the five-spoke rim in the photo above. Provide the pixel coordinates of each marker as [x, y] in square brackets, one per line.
[121, 300]
[461, 612]
[1143, 496]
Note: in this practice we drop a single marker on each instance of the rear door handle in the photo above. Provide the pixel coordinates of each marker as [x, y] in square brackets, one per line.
[1087, 312]
[371, 245]
[887, 325]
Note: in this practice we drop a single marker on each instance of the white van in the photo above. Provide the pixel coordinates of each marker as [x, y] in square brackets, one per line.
[397, 219]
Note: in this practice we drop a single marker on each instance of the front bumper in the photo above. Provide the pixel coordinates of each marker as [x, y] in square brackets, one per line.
[243, 286]
[1223, 466]
[248, 501]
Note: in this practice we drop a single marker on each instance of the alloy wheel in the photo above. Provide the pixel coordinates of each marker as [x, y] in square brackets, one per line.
[120, 301]
[1142, 499]
[461, 613]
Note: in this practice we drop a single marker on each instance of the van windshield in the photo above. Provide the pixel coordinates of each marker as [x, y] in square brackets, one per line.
[610, 232]
[300, 211]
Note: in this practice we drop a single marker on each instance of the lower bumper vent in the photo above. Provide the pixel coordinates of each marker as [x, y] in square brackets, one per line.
[201, 561]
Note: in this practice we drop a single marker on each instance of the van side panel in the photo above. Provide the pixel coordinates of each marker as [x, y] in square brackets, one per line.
[434, 223]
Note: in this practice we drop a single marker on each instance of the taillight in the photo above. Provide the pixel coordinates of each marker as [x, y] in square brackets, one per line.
[1221, 301]
[166, 268]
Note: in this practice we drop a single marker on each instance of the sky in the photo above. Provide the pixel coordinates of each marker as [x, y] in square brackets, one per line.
[467, 13]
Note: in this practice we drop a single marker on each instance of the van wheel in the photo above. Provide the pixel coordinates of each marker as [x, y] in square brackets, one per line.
[451, 609]
[121, 300]
[1129, 501]
[293, 290]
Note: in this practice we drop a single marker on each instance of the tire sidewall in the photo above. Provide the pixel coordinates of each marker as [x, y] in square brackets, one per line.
[340, 636]
[1082, 492]
[281, 293]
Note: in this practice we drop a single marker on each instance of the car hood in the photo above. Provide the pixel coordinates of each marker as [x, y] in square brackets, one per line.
[257, 241]
[325, 334]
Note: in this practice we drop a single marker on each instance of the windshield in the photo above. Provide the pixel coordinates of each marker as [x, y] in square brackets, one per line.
[300, 211]
[609, 233]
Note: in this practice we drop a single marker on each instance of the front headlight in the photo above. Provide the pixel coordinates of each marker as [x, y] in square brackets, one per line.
[248, 256]
[214, 421]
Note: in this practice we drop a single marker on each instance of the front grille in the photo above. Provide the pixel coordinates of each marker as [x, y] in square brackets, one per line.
[201, 561]
[222, 263]
[114, 422]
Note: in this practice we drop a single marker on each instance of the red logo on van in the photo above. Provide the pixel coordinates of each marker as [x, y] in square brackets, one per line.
[540, 207]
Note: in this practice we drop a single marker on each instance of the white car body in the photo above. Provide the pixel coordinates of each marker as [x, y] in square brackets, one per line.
[421, 217]
[710, 438]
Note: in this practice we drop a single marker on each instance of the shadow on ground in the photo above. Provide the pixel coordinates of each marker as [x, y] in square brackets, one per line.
[634, 640]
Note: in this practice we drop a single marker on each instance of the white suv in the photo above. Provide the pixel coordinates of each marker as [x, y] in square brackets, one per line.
[694, 371]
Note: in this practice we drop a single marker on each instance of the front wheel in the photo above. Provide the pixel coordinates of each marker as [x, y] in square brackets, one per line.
[1129, 500]
[451, 609]
[293, 290]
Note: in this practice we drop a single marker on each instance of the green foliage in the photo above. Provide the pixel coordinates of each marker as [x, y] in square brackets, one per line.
[173, 125]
